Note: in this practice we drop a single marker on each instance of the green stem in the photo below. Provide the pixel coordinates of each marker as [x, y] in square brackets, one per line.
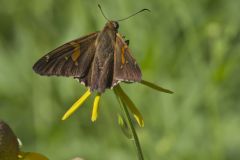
[134, 133]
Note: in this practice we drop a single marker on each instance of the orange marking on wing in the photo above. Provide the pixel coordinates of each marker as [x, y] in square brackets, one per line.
[115, 54]
[76, 51]
[123, 58]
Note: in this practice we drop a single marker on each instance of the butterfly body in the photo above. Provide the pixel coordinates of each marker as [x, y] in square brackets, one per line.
[99, 60]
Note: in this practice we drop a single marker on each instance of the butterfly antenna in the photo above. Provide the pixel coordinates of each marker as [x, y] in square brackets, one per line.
[134, 14]
[99, 6]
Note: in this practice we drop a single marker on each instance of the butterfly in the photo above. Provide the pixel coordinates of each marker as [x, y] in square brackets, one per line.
[99, 60]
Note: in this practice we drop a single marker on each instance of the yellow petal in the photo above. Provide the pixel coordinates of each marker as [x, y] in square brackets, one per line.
[125, 99]
[76, 105]
[95, 107]
[154, 86]
[31, 156]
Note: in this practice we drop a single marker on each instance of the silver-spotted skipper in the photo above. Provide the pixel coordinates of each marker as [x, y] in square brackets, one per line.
[99, 60]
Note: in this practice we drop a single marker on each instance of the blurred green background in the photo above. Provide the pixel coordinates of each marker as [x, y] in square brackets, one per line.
[190, 47]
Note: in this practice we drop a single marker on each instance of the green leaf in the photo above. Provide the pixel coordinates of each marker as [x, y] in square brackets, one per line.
[156, 87]
[129, 103]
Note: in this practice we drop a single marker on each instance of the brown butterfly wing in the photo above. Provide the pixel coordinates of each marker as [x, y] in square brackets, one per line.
[126, 68]
[71, 59]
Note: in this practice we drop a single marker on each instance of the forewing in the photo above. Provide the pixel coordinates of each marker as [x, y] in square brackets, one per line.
[126, 68]
[71, 59]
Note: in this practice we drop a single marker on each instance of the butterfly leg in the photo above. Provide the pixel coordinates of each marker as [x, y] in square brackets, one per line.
[127, 42]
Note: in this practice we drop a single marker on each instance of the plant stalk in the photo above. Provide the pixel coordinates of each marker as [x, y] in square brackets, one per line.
[134, 133]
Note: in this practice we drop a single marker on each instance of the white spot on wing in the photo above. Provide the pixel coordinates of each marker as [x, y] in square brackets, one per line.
[114, 84]
[122, 80]
[80, 81]
[47, 58]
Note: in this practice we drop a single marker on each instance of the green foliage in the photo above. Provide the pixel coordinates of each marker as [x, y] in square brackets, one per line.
[190, 47]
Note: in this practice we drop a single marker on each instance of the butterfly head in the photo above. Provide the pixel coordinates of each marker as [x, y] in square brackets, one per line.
[113, 25]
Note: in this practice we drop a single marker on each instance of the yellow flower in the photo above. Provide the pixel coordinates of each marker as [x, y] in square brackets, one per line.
[31, 156]
[121, 95]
